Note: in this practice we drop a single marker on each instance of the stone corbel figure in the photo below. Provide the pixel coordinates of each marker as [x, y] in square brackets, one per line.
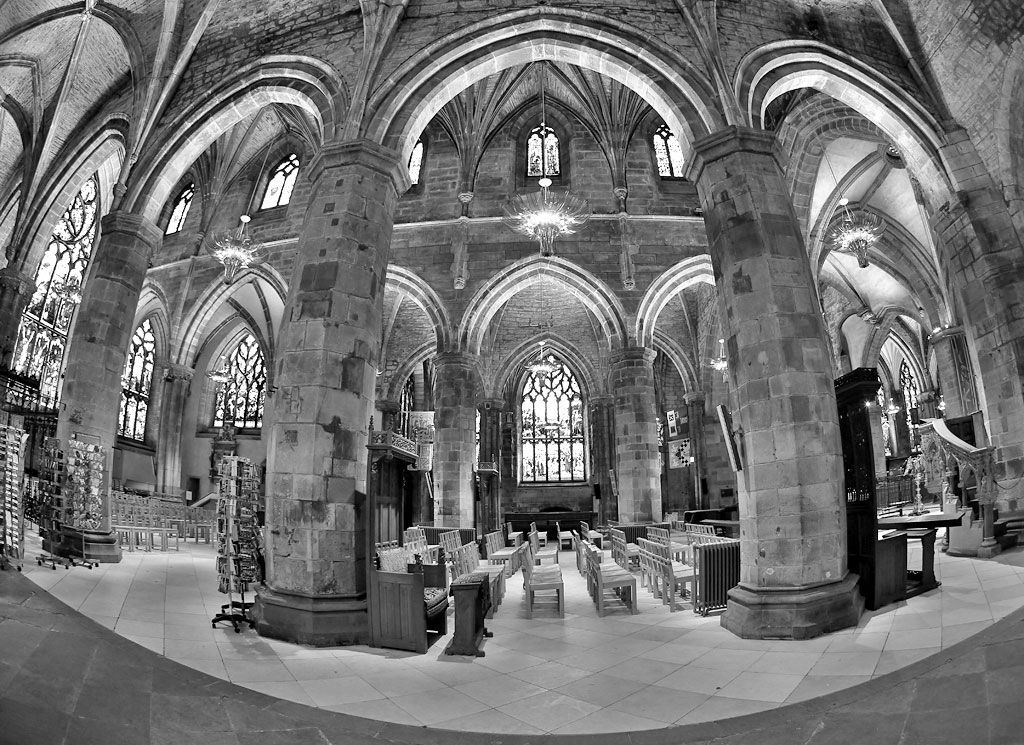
[460, 239]
[628, 241]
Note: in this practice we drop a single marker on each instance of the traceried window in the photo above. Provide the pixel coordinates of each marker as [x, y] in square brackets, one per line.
[406, 404]
[416, 163]
[136, 383]
[668, 152]
[282, 181]
[180, 211]
[553, 447]
[239, 401]
[908, 384]
[542, 152]
[43, 333]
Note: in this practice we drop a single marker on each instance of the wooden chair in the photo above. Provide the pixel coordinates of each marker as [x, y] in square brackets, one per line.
[467, 561]
[499, 553]
[564, 537]
[406, 602]
[675, 577]
[650, 568]
[539, 554]
[541, 578]
[610, 576]
[515, 537]
[624, 553]
[593, 536]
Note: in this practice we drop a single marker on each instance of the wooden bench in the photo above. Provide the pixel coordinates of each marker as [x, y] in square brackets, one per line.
[416, 539]
[406, 601]
[609, 576]
[466, 560]
[499, 553]
[538, 578]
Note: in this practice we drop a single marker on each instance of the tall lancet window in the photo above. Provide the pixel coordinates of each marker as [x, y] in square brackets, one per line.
[136, 382]
[43, 333]
[908, 384]
[542, 152]
[239, 401]
[553, 445]
[282, 181]
[416, 163]
[180, 211]
[668, 152]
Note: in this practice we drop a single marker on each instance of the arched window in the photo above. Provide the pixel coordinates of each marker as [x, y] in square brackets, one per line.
[406, 404]
[416, 163]
[180, 211]
[136, 382]
[553, 448]
[542, 152]
[282, 181]
[668, 153]
[239, 401]
[908, 384]
[43, 333]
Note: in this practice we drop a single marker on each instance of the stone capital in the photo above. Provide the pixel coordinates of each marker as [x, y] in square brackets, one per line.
[627, 355]
[694, 397]
[174, 371]
[136, 226]
[728, 141]
[363, 153]
[456, 359]
[19, 282]
[491, 404]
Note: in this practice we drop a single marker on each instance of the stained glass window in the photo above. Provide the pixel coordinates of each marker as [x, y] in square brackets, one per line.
[668, 153]
[415, 163]
[908, 384]
[239, 401]
[542, 152]
[180, 211]
[406, 404]
[43, 333]
[553, 447]
[136, 381]
[282, 181]
[886, 421]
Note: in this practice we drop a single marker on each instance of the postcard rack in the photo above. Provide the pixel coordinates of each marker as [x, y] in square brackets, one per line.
[237, 539]
[12, 514]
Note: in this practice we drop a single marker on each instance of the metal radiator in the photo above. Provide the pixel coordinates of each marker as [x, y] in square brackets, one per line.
[716, 570]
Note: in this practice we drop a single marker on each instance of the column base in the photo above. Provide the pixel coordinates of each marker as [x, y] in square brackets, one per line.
[320, 621]
[793, 613]
[93, 545]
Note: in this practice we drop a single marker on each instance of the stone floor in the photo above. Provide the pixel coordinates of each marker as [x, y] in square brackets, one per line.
[576, 675]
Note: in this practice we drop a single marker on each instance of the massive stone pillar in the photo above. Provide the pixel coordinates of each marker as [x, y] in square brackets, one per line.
[176, 382]
[15, 291]
[602, 446]
[956, 377]
[793, 580]
[325, 375]
[455, 396]
[637, 460]
[698, 448]
[94, 362]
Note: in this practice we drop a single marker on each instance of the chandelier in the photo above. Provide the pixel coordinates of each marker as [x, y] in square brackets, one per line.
[720, 363]
[856, 233]
[540, 365]
[220, 374]
[236, 249]
[547, 214]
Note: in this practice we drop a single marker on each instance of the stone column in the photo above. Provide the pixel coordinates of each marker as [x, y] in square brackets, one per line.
[177, 381]
[695, 416]
[793, 578]
[98, 345]
[15, 292]
[455, 394]
[637, 459]
[956, 377]
[325, 376]
[602, 435]
[490, 453]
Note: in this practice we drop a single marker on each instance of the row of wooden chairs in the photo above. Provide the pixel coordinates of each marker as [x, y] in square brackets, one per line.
[604, 576]
[416, 540]
[538, 577]
[466, 560]
[499, 553]
[665, 577]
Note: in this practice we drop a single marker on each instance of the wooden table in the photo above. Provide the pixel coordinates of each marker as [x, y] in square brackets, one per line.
[912, 522]
[922, 528]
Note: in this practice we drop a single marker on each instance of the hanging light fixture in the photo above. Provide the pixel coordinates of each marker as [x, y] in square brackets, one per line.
[541, 365]
[547, 214]
[221, 374]
[236, 249]
[857, 230]
[720, 363]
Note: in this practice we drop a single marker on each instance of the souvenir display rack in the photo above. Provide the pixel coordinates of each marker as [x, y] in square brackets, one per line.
[12, 520]
[83, 497]
[237, 538]
[49, 488]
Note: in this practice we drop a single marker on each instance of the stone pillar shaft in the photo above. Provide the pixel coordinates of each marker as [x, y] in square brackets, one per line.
[695, 401]
[98, 345]
[602, 435]
[637, 459]
[177, 380]
[792, 507]
[455, 395]
[325, 376]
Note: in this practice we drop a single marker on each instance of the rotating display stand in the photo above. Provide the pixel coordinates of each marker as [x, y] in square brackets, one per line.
[12, 517]
[237, 541]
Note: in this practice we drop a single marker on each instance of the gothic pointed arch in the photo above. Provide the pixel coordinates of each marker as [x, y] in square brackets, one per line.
[669, 283]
